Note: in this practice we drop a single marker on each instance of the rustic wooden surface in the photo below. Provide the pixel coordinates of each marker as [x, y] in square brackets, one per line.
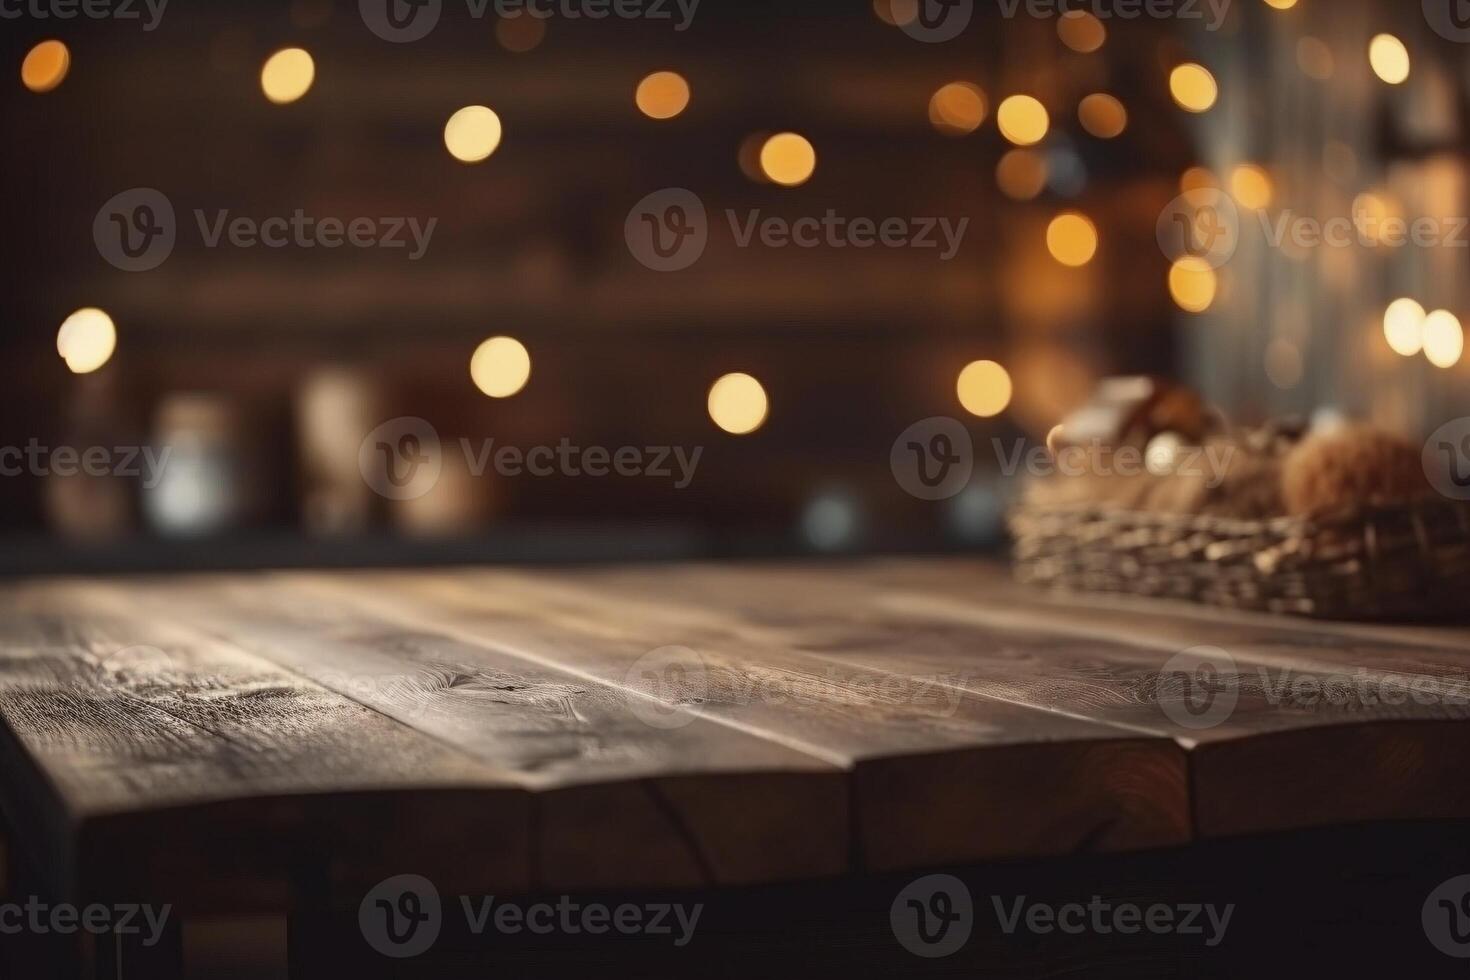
[279, 741]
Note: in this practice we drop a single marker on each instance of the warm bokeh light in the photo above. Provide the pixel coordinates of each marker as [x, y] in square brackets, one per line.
[1072, 239]
[896, 13]
[957, 108]
[1315, 59]
[738, 404]
[45, 66]
[1102, 115]
[1370, 214]
[287, 75]
[520, 33]
[1193, 87]
[1193, 285]
[86, 340]
[1197, 178]
[984, 388]
[500, 367]
[1022, 120]
[472, 133]
[1389, 58]
[1284, 363]
[1251, 186]
[1403, 326]
[1281, 4]
[1081, 31]
[662, 95]
[1444, 340]
[1021, 174]
[788, 159]
[749, 157]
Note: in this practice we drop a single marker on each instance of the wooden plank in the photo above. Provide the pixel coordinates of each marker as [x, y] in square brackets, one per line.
[939, 772]
[617, 801]
[143, 760]
[1280, 759]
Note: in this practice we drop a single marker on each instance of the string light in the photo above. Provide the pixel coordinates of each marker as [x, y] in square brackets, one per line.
[1022, 120]
[957, 108]
[1193, 87]
[1281, 4]
[738, 404]
[1444, 340]
[1072, 239]
[472, 134]
[1192, 284]
[1021, 174]
[1403, 326]
[86, 340]
[1102, 115]
[1197, 178]
[984, 388]
[500, 367]
[1389, 58]
[662, 95]
[287, 75]
[1081, 31]
[45, 66]
[788, 159]
[1251, 186]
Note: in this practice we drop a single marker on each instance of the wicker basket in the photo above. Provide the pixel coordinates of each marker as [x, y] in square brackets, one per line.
[1409, 562]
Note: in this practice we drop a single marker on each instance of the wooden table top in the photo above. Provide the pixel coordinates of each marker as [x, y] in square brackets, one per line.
[257, 741]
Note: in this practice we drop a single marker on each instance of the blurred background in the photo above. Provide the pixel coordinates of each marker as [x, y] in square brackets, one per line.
[523, 145]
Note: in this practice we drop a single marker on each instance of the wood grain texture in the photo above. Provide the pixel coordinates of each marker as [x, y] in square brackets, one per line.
[142, 755]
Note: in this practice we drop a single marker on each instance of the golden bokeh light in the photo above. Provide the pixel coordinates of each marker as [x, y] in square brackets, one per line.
[86, 340]
[1193, 87]
[1081, 31]
[1389, 58]
[472, 134]
[520, 33]
[45, 66]
[1250, 185]
[1021, 174]
[1403, 326]
[500, 367]
[1315, 59]
[1102, 115]
[1072, 239]
[287, 75]
[984, 388]
[896, 13]
[1198, 178]
[738, 404]
[788, 159]
[662, 95]
[1192, 284]
[1444, 340]
[957, 108]
[1281, 4]
[1022, 120]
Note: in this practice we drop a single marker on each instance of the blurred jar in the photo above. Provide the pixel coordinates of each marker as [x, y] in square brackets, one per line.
[200, 485]
[336, 409]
